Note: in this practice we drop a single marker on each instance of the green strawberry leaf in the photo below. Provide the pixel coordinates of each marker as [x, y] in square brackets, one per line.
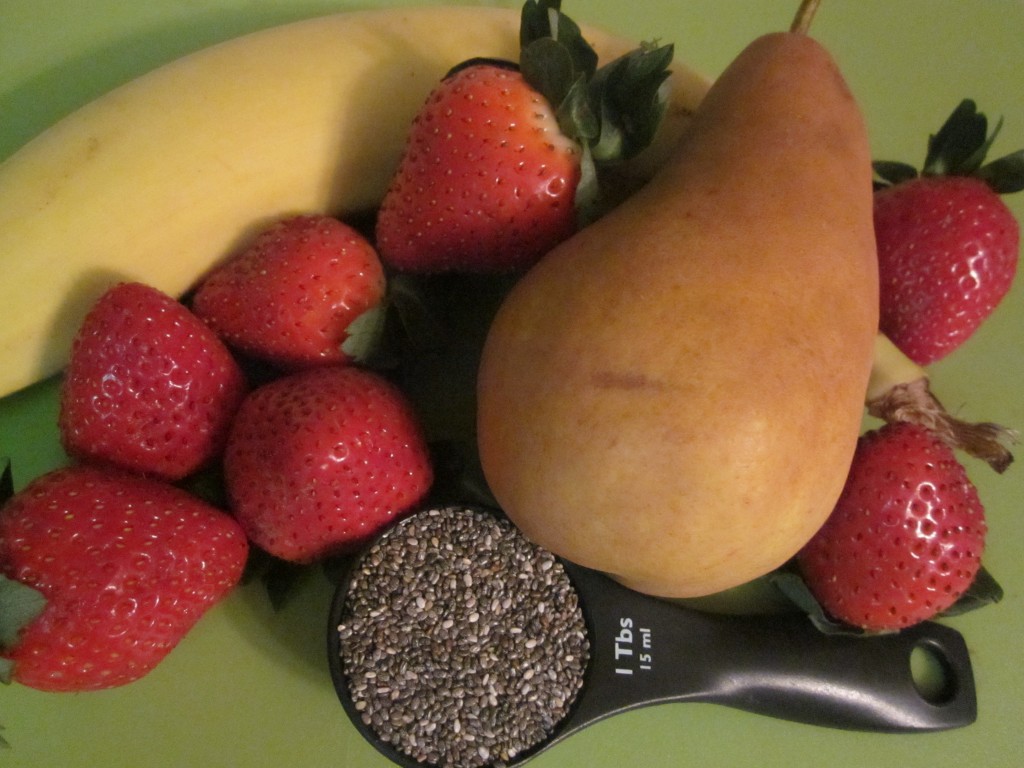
[208, 484]
[548, 67]
[576, 117]
[985, 590]
[459, 478]
[795, 589]
[589, 203]
[535, 20]
[632, 98]
[280, 579]
[971, 164]
[402, 324]
[6, 480]
[610, 142]
[20, 605]
[1004, 175]
[364, 334]
[4, 744]
[892, 172]
[419, 323]
[543, 19]
[960, 144]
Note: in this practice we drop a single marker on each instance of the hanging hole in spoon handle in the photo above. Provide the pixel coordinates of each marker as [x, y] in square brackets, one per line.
[645, 651]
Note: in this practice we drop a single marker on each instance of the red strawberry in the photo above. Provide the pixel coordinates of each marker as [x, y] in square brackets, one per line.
[127, 566]
[947, 244]
[497, 194]
[148, 386]
[320, 461]
[290, 296]
[490, 177]
[906, 537]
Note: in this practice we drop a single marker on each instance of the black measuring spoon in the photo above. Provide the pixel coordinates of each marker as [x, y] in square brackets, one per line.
[646, 651]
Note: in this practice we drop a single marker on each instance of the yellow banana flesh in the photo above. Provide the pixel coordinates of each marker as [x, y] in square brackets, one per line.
[163, 177]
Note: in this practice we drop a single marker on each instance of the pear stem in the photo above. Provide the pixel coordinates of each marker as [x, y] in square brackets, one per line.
[804, 15]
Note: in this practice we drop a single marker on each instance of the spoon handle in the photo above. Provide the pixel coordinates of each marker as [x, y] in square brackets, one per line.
[646, 651]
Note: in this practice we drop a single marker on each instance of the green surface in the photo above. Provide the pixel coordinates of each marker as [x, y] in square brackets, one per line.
[248, 687]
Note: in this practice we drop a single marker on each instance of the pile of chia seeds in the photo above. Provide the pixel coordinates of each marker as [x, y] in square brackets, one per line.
[462, 642]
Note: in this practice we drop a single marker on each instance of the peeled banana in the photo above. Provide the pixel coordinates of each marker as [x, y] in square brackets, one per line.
[161, 178]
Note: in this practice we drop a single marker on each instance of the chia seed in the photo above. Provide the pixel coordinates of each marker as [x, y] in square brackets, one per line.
[463, 643]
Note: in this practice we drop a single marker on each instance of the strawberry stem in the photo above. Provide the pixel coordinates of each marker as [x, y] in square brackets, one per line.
[899, 391]
[20, 605]
[804, 16]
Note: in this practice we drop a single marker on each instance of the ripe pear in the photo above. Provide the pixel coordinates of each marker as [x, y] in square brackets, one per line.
[673, 395]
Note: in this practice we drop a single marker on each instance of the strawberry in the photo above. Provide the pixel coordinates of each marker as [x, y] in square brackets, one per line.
[148, 386]
[290, 296]
[127, 565]
[500, 163]
[321, 460]
[497, 197]
[947, 244]
[906, 537]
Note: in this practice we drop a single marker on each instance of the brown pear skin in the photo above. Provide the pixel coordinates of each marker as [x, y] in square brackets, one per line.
[673, 395]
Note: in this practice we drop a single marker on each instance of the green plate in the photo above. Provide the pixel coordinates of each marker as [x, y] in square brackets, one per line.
[249, 687]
